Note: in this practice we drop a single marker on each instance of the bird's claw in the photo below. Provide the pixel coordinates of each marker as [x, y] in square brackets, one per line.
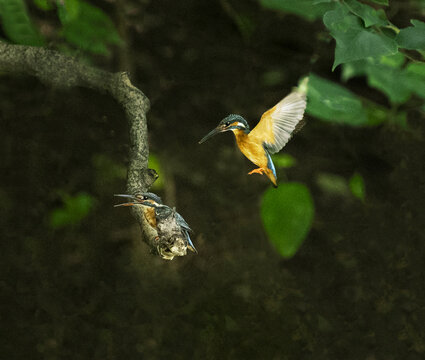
[257, 171]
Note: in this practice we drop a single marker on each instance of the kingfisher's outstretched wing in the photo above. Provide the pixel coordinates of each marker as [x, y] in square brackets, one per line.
[279, 123]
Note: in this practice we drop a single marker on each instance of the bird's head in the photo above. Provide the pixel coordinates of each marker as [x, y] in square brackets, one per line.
[232, 122]
[146, 199]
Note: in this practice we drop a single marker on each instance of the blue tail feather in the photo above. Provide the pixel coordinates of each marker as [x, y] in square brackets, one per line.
[190, 241]
[270, 164]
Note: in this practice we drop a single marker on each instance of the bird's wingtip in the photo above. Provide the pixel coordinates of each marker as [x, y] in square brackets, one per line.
[303, 86]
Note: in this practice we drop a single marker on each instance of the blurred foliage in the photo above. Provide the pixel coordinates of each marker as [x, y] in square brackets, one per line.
[357, 186]
[107, 172]
[284, 161]
[380, 2]
[333, 184]
[337, 185]
[17, 25]
[155, 164]
[44, 4]
[84, 27]
[87, 27]
[301, 8]
[287, 213]
[74, 210]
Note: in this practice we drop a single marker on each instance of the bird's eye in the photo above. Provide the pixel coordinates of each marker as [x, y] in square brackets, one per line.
[145, 197]
[227, 123]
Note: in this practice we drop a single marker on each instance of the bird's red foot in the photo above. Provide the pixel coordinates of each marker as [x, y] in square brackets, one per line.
[257, 171]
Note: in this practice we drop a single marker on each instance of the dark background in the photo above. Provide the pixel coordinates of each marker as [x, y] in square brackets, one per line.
[355, 289]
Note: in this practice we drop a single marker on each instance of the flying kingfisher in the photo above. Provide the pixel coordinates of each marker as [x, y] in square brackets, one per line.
[275, 128]
[162, 218]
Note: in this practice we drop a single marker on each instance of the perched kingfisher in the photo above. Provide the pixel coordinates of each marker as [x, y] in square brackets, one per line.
[275, 128]
[159, 215]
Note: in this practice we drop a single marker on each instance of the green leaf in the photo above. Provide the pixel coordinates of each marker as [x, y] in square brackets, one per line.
[283, 161]
[416, 75]
[376, 114]
[396, 61]
[17, 24]
[287, 213]
[368, 14]
[155, 164]
[353, 40]
[332, 102]
[380, 2]
[418, 23]
[44, 4]
[69, 11]
[412, 37]
[391, 81]
[385, 74]
[87, 27]
[332, 184]
[353, 69]
[417, 68]
[74, 210]
[304, 8]
[357, 186]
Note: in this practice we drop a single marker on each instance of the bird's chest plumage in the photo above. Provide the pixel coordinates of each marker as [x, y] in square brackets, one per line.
[150, 216]
[251, 147]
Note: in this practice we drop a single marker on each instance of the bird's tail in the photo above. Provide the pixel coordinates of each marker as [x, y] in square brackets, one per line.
[271, 176]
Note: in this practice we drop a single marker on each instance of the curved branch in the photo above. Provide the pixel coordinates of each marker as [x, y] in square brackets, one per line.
[62, 71]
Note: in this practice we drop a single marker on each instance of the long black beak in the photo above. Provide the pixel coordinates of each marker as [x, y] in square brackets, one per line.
[216, 131]
[129, 197]
[135, 201]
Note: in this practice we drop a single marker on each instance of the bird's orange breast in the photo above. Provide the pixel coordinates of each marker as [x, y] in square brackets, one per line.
[251, 147]
[150, 216]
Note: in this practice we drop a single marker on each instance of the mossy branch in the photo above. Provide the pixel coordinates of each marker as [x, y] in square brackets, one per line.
[61, 71]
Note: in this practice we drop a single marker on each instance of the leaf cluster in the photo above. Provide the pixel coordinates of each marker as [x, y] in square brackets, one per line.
[83, 27]
[367, 45]
[74, 210]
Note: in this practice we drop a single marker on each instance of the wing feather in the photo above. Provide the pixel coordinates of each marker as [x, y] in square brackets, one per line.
[278, 124]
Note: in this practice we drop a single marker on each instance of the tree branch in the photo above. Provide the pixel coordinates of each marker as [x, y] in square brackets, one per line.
[61, 71]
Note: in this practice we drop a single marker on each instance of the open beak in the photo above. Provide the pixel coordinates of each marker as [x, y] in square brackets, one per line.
[129, 197]
[135, 201]
[217, 130]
